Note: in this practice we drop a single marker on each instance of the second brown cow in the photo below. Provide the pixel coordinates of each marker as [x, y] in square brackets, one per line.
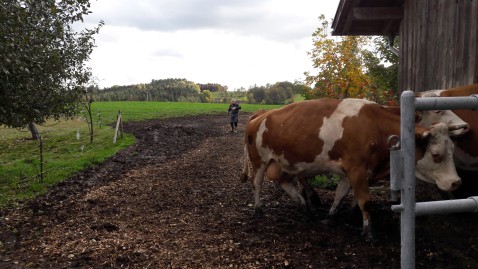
[346, 137]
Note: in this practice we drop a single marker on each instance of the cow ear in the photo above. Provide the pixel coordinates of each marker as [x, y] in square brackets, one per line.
[427, 134]
[435, 129]
[423, 136]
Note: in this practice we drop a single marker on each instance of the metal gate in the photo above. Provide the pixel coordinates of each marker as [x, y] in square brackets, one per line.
[403, 180]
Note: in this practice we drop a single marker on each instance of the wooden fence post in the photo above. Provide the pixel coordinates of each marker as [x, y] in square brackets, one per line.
[119, 126]
[41, 159]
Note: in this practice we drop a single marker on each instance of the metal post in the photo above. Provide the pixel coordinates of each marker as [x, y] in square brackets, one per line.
[407, 220]
[408, 208]
[396, 168]
[41, 160]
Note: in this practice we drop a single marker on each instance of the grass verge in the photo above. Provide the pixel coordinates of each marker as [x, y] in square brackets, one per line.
[66, 147]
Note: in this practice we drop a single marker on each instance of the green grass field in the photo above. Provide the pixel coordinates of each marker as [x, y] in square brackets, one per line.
[136, 111]
[66, 144]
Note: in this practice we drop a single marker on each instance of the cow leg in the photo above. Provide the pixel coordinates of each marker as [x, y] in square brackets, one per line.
[245, 168]
[287, 184]
[341, 192]
[257, 185]
[360, 186]
[310, 193]
[291, 190]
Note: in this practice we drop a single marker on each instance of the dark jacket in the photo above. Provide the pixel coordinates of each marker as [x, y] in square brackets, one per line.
[234, 111]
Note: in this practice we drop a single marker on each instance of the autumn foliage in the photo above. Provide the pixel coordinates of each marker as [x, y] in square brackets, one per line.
[341, 68]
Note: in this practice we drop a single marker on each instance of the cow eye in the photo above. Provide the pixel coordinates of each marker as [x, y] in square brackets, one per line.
[437, 158]
[437, 111]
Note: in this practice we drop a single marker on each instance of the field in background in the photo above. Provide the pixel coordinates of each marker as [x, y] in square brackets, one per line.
[66, 144]
[135, 111]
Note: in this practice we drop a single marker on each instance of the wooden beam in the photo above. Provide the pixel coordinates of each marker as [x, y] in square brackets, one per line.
[377, 13]
[350, 19]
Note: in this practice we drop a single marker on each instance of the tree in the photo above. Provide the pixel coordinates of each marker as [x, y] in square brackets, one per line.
[346, 68]
[212, 87]
[258, 94]
[300, 88]
[382, 70]
[208, 96]
[340, 65]
[42, 57]
[275, 95]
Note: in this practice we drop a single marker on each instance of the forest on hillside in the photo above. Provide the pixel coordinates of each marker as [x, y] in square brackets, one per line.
[183, 90]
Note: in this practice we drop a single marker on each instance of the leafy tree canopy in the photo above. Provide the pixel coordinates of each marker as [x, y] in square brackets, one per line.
[170, 90]
[278, 93]
[347, 68]
[42, 59]
[212, 87]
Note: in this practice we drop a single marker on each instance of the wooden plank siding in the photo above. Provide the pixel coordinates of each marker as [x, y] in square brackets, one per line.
[438, 44]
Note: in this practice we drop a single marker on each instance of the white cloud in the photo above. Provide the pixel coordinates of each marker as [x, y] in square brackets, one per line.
[237, 43]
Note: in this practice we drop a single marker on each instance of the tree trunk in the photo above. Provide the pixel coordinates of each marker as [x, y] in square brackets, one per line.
[33, 129]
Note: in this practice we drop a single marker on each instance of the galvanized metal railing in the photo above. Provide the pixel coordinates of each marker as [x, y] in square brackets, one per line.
[403, 156]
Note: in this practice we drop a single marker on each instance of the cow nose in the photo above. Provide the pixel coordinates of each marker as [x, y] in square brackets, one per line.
[466, 128]
[458, 130]
[455, 185]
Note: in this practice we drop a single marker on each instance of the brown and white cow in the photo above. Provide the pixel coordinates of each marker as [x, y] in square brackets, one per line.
[466, 147]
[456, 128]
[466, 153]
[346, 137]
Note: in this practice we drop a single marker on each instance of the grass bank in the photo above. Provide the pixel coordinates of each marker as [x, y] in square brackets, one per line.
[66, 147]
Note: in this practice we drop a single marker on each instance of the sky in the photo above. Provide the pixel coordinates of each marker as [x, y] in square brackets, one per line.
[236, 43]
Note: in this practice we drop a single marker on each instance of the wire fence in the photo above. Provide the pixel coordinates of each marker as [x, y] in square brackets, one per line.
[63, 149]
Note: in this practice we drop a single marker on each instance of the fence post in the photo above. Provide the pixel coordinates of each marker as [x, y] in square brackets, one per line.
[41, 160]
[119, 123]
[407, 219]
[99, 119]
[408, 207]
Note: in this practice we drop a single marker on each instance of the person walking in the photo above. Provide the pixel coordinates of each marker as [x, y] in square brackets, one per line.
[233, 112]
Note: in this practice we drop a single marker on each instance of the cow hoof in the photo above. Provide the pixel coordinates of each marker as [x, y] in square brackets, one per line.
[308, 213]
[315, 201]
[367, 235]
[258, 213]
[330, 220]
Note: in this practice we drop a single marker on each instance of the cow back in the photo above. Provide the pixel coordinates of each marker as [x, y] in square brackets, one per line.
[324, 135]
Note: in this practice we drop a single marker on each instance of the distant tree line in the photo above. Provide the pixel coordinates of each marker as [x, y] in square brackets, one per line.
[278, 93]
[212, 87]
[164, 90]
[182, 90]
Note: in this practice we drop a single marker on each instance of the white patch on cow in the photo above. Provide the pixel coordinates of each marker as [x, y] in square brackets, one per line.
[430, 93]
[264, 152]
[262, 129]
[331, 130]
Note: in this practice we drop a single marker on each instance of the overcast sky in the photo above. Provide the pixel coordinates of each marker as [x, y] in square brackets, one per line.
[237, 43]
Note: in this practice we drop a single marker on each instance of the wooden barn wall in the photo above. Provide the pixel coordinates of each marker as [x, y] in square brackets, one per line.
[438, 44]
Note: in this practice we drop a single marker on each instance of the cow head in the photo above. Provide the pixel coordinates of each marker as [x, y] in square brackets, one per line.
[456, 126]
[436, 165]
